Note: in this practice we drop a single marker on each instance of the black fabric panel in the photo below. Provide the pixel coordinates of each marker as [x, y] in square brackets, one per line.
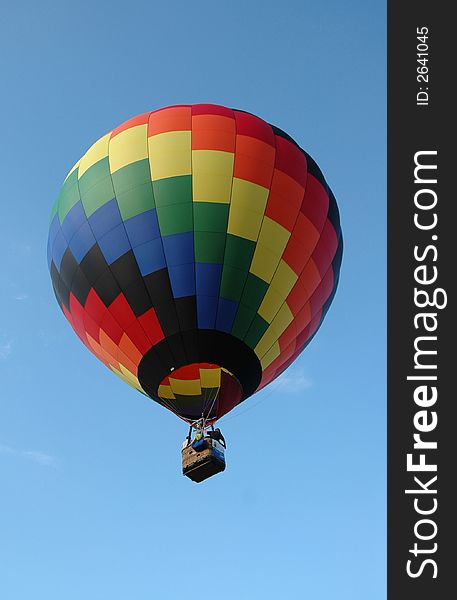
[159, 290]
[56, 294]
[336, 264]
[80, 286]
[283, 134]
[64, 294]
[191, 343]
[158, 285]
[68, 267]
[190, 407]
[125, 269]
[186, 309]
[137, 296]
[107, 288]
[93, 265]
[166, 313]
[315, 171]
[157, 364]
[333, 213]
[55, 281]
[176, 346]
[214, 347]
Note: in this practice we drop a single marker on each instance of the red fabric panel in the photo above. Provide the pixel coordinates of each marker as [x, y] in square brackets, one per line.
[247, 124]
[111, 327]
[139, 120]
[122, 312]
[173, 118]
[211, 109]
[315, 203]
[138, 336]
[150, 323]
[229, 394]
[291, 160]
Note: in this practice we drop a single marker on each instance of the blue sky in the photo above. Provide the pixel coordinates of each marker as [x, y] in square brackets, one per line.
[93, 504]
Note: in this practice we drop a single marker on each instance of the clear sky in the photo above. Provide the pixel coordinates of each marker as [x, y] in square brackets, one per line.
[92, 503]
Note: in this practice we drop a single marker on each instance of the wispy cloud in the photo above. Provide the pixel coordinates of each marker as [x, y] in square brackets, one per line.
[6, 345]
[20, 248]
[36, 456]
[295, 380]
[21, 296]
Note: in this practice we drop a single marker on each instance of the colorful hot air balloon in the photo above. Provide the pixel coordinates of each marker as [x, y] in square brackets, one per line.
[195, 251]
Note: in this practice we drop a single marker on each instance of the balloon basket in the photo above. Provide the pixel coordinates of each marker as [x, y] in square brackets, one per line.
[204, 462]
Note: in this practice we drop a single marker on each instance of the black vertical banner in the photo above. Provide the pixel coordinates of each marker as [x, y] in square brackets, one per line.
[422, 332]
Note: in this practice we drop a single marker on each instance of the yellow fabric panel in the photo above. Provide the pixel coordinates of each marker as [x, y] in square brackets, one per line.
[212, 173]
[166, 392]
[128, 147]
[247, 206]
[264, 262]
[266, 342]
[128, 377]
[283, 281]
[282, 320]
[248, 195]
[95, 153]
[270, 356]
[270, 304]
[244, 223]
[271, 244]
[210, 378]
[170, 154]
[186, 387]
[273, 236]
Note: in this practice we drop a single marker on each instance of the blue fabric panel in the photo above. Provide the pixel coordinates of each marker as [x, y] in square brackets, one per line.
[58, 248]
[150, 256]
[73, 221]
[182, 279]
[53, 231]
[206, 311]
[142, 228]
[208, 277]
[179, 248]
[114, 244]
[82, 242]
[226, 313]
[105, 218]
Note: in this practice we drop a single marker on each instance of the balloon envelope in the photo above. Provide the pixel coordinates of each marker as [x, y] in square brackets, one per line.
[195, 251]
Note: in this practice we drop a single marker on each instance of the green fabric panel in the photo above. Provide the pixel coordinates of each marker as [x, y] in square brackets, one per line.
[254, 291]
[256, 331]
[210, 216]
[98, 195]
[55, 208]
[131, 176]
[96, 187]
[243, 320]
[209, 246]
[136, 200]
[232, 283]
[93, 175]
[239, 252]
[173, 190]
[69, 195]
[177, 218]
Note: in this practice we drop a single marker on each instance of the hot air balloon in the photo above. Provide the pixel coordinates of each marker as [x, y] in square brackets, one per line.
[195, 250]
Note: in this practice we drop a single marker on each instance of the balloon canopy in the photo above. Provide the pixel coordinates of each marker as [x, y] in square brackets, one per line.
[195, 250]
